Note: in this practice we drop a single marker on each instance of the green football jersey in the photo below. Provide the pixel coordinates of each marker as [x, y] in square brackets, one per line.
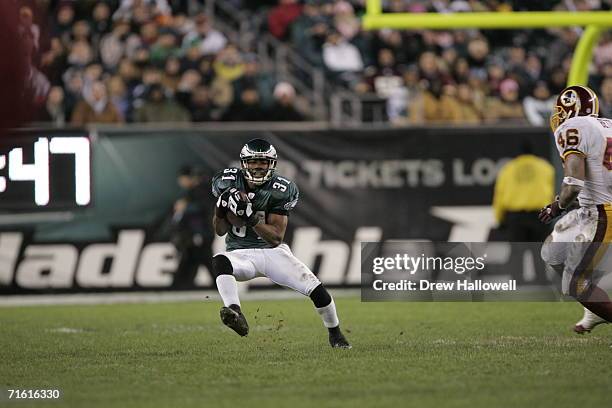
[276, 196]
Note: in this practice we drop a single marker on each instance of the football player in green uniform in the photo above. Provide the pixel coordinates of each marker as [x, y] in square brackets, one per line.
[253, 204]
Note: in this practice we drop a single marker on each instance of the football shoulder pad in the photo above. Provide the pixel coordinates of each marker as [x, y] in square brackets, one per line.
[224, 180]
[284, 193]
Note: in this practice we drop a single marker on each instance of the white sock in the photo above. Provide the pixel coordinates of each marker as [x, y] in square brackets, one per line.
[328, 315]
[228, 289]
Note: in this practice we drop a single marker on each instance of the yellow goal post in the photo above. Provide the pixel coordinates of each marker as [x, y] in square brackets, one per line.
[595, 22]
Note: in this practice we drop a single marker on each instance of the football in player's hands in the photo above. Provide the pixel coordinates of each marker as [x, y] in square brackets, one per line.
[235, 220]
[237, 202]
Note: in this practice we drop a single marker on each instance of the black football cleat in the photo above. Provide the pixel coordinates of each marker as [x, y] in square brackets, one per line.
[233, 318]
[337, 339]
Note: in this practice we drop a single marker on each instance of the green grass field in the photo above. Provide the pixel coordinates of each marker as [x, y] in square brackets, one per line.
[404, 354]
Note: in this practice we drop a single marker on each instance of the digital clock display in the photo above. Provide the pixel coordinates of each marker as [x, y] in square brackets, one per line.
[45, 170]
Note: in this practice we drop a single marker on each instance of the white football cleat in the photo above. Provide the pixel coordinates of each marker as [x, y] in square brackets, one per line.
[588, 322]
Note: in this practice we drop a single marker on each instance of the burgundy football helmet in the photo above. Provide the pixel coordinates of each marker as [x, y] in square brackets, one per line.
[575, 100]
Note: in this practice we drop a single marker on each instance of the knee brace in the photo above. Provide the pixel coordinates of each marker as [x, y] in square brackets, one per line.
[320, 297]
[221, 266]
[554, 253]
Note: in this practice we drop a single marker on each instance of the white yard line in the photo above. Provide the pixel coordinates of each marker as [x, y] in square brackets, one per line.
[152, 297]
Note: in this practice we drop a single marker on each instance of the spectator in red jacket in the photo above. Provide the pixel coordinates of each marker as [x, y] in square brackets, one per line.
[282, 16]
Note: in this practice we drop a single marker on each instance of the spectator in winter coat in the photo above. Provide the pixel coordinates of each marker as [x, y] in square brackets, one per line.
[95, 107]
[159, 108]
[283, 108]
[508, 106]
[204, 36]
[54, 110]
[605, 100]
[246, 109]
[538, 105]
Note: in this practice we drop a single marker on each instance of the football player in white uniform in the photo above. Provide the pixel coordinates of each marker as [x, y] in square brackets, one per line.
[253, 205]
[577, 247]
[578, 244]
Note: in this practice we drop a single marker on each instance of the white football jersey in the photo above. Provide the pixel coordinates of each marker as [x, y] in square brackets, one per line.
[592, 138]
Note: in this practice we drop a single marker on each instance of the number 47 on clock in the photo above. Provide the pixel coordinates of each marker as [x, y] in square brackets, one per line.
[38, 171]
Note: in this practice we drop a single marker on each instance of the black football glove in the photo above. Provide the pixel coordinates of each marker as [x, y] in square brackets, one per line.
[237, 202]
[550, 212]
[240, 204]
[221, 206]
[250, 217]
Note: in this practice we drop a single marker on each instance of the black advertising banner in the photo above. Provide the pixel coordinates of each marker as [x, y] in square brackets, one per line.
[355, 186]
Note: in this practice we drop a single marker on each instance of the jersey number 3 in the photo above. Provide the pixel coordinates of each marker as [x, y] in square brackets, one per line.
[242, 231]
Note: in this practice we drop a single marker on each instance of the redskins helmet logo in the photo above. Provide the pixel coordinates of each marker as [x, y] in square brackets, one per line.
[569, 98]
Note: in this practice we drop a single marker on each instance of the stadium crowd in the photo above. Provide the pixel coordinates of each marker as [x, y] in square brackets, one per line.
[120, 61]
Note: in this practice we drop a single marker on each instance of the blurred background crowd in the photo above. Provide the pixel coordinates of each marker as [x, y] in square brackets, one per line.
[116, 61]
